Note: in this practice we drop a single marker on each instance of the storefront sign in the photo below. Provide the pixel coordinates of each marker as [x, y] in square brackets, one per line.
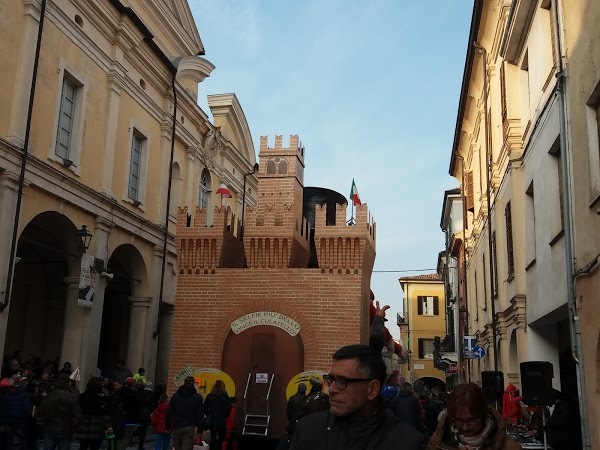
[266, 318]
[303, 378]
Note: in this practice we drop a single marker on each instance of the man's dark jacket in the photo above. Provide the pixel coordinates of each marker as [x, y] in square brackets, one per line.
[407, 408]
[60, 409]
[185, 409]
[382, 431]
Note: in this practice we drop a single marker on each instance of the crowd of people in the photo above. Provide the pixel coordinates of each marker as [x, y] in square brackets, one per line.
[365, 410]
[41, 405]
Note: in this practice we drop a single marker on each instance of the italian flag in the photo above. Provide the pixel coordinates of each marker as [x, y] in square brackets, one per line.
[354, 194]
[224, 190]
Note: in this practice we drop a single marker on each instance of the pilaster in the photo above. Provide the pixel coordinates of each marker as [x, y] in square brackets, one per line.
[93, 324]
[138, 316]
[116, 82]
[9, 186]
[75, 324]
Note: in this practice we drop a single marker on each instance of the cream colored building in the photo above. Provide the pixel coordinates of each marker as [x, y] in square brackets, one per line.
[424, 318]
[100, 153]
[513, 125]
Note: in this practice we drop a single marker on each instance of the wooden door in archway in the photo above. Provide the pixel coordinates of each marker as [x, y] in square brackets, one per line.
[260, 350]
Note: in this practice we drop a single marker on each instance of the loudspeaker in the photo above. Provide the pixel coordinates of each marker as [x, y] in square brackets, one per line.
[492, 384]
[536, 379]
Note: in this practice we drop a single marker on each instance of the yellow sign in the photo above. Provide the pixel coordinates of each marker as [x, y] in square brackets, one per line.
[206, 378]
[303, 378]
[271, 318]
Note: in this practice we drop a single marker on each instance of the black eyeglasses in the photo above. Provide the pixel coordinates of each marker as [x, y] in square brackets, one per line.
[342, 382]
[461, 423]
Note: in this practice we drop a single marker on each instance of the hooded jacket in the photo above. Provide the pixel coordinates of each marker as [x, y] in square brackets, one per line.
[382, 431]
[185, 409]
[496, 439]
[510, 404]
[159, 417]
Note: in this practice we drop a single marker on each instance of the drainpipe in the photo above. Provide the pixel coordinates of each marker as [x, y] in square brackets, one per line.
[13, 245]
[574, 324]
[464, 252]
[488, 167]
[254, 170]
[168, 209]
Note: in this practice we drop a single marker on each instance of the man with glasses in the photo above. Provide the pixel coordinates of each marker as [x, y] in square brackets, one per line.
[357, 418]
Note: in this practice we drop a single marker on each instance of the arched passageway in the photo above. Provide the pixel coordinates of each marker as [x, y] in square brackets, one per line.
[46, 277]
[428, 385]
[124, 302]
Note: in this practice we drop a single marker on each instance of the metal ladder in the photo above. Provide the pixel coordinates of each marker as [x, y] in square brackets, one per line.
[257, 424]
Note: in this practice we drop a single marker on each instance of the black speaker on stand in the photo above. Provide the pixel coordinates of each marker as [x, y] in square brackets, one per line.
[492, 384]
[536, 381]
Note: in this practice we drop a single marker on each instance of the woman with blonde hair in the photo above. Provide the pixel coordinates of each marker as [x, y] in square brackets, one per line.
[217, 407]
[471, 424]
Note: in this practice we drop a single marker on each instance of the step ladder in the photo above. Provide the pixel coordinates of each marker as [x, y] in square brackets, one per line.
[257, 421]
[256, 425]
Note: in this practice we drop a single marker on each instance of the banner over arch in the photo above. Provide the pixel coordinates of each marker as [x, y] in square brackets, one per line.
[271, 318]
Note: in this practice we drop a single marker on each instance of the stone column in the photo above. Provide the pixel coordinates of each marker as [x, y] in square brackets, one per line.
[9, 186]
[75, 324]
[138, 316]
[151, 339]
[93, 324]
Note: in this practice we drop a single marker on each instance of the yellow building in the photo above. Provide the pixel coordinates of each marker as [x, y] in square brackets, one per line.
[115, 126]
[424, 318]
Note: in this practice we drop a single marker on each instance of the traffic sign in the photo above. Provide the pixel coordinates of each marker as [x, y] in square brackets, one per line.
[478, 352]
[453, 368]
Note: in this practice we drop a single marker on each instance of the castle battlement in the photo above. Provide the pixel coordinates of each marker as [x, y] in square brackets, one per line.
[344, 247]
[204, 246]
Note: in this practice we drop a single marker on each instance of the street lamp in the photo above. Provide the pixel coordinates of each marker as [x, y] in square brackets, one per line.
[85, 236]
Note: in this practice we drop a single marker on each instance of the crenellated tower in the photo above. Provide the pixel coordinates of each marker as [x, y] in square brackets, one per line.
[275, 231]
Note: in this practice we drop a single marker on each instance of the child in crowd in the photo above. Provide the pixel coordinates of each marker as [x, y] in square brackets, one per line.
[230, 441]
[163, 435]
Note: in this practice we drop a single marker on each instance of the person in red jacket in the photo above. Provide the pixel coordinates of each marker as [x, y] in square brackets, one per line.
[511, 404]
[163, 430]
[230, 441]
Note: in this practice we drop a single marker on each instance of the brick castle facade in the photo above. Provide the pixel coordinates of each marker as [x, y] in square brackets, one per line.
[254, 305]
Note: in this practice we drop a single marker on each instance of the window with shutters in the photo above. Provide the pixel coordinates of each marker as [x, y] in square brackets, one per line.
[495, 265]
[470, 202]
[510, 258]
[428, 306]
[66, 118]
[67, 142]
[484, 282]
[138, 144]
[425, 348]
[476, 297]
[559, 163]
[503, 107]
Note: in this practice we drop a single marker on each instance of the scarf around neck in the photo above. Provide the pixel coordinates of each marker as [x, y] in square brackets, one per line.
[474, 442]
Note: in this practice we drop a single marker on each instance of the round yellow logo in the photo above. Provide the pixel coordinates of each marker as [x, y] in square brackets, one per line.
[206, 378]
[303, 378]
